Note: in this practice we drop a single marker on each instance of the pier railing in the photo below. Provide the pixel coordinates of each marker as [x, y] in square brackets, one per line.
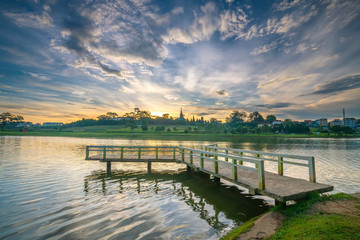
[280, 159]
[122, 152]
[214, 156]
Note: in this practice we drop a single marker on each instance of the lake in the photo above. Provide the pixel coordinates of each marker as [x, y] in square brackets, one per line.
[48, 190]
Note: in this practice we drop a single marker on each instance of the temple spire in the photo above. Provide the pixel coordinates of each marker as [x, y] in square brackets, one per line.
[181, 115]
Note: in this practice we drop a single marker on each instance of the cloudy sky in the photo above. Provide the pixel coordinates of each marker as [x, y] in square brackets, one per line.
[64, 60]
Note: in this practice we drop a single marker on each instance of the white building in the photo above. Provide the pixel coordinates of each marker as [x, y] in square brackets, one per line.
[335, 122]
[349, 122]
[52, 124]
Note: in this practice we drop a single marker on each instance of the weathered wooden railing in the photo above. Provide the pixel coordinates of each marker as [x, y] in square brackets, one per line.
[279, 158]
[214, 157]
[137, 151]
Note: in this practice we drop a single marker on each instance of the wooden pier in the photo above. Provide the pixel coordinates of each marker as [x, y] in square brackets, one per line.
[242, 167]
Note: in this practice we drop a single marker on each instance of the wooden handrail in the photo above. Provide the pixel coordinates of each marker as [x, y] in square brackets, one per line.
[280, 159]
[259, 163]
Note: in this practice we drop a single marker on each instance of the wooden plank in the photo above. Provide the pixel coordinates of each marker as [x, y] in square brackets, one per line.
[281, 188]
[258, 181]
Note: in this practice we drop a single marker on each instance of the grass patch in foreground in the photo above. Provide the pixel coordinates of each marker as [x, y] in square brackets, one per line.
[299, 215]
[319, 227]
[301, 223]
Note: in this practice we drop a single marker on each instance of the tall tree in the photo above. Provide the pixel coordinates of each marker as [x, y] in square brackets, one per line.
[270, 118]
[111, 115]
[256, 117]
[236, 118]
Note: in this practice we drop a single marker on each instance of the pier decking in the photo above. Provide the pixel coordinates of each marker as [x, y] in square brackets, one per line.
[242, 167]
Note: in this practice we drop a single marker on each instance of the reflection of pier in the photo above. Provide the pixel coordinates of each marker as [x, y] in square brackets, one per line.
[207, 198]
[242, 167]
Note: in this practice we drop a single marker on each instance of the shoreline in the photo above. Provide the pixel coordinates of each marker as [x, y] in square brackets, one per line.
[170, 136]
[334, 216]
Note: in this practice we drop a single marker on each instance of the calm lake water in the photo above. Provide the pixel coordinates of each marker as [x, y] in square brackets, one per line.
[48, 190]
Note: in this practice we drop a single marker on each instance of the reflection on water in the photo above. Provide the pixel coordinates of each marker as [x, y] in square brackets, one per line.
[48, 190]
[173, 194]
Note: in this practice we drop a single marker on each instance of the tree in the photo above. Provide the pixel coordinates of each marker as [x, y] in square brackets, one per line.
[270, 118]
[144, 125]
[244, 130]
[265, 128]
[132, 125]
[166, 116]
[111, 115]
[102, 117]
[8, 118]
[236, 118]
[256, 117]
[142, 114]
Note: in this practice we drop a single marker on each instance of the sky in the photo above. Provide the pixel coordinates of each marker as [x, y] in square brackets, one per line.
[65, 60]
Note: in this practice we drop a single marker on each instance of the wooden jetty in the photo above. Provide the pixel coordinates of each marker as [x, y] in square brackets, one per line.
[242, 167]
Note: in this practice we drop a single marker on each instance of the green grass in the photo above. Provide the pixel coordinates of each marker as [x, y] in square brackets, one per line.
[300, 223]
[319, 227]
[113, 131]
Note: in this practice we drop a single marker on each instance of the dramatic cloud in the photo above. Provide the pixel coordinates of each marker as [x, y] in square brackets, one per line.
[291, 58]
[274, 105]
[338, 85]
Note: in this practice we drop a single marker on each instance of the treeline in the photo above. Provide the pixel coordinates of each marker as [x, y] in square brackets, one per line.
[9, 120]
[236, 123]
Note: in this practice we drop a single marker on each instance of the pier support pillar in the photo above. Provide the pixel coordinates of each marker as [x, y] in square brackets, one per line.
[149, 166]
[188, 168]
[280, 204]
[108, 167]
[216, 180]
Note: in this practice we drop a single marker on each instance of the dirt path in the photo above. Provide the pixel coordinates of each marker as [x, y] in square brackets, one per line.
[267, 224]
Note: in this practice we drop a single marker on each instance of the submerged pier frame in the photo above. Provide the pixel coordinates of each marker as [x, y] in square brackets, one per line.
[241, 167]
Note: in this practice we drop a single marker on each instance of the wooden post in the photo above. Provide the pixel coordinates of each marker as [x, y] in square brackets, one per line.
[241, 162]
[182, 155]
[174, 153]
[139, 153]
[312, 175]
[108, 167]
[157, 153]
[234, 170]
[257, 156]
[201, 160]
[122, 153]
[216, 165]
[226, 152]
[280, 166]
[104, 153]
[261, 175]
[206, 149]
[191, 157]
[149, 166]
[87, 152]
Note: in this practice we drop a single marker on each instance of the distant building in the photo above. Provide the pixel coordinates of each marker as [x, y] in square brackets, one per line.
[121, 118]
[276, 123]
[322, 122]
[349, 122]
[310, 123]
[181, 115]
[335, 122]
[52, 124]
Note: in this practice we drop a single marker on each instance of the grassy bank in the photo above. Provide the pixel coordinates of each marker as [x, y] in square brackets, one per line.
[179, 134]
[320, 217]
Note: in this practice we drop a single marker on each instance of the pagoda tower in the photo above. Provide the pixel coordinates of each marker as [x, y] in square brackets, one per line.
[181, 115]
